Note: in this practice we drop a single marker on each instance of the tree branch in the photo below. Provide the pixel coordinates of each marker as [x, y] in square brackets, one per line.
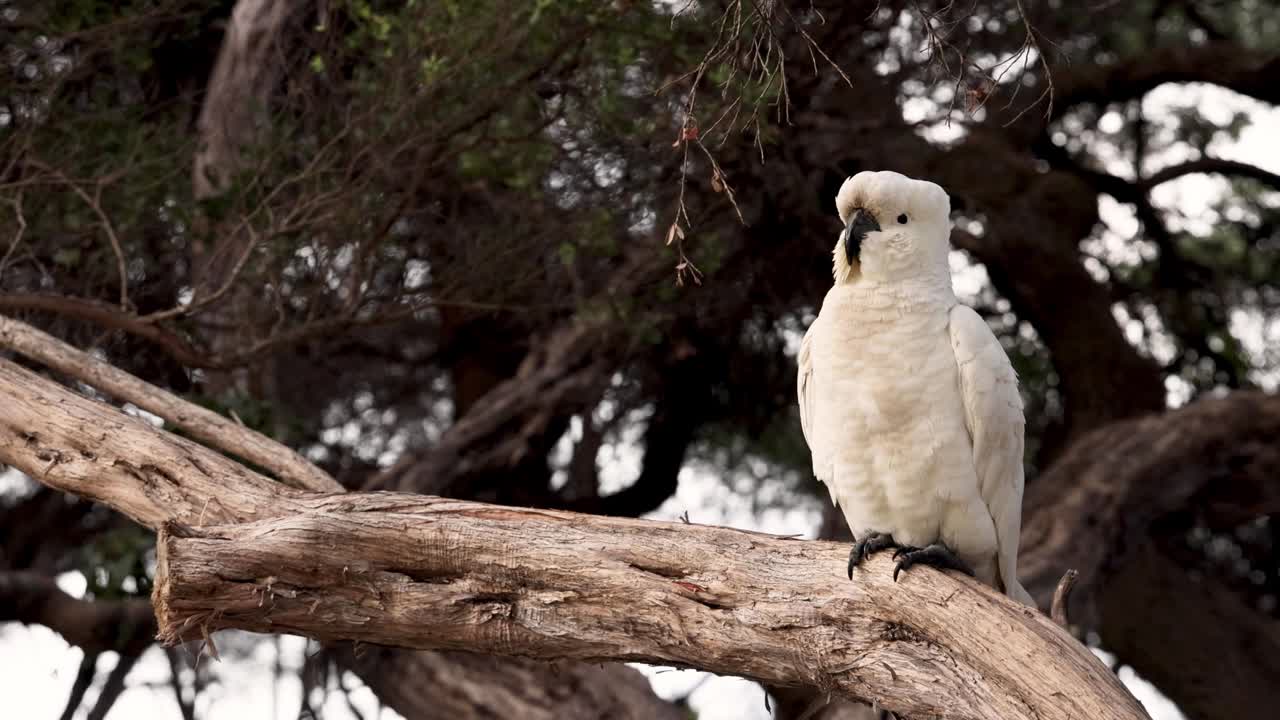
[201, 423]
[1162, 620]
[108, 316]
[1218, 166]
[1244, 70]
[468, 686]
[433, 573]
[1103, 495]
[548, 584]
[126, 626]
[112, 687]
[77, 445]
[87, 448]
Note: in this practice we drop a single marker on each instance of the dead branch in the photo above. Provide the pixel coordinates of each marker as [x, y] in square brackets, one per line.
[1061, 598]
[426, 572]
[90, 449]
[201, 423]
[432, 573]
[84, 447]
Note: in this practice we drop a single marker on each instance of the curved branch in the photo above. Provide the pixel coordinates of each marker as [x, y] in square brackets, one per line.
[1211, 165]
[1102, 496]
[1244, 70]
[432, 573]
[549, 584]
[75, 444]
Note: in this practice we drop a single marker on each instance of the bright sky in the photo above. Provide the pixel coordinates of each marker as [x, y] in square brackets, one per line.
[37, 667]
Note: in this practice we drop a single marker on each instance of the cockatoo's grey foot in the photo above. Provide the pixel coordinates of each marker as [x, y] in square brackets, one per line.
[937, 555]
[863, 548]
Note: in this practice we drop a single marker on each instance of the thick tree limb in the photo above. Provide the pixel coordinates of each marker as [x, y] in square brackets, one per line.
[201, 423]
[80, 446]
[126, 627]
[549, 584]
[1203, 646]
[1244, 70]
[463, 686]
[441, 574]
[1217, 455]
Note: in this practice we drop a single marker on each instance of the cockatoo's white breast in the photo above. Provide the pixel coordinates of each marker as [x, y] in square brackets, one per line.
[903, 461]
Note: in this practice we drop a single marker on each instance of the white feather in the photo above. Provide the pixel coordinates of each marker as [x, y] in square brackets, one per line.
[993, 415]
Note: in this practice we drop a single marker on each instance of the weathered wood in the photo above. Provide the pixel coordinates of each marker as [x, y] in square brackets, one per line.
[81, 446]
[84, 447]
[201, 423]
[423, 572]
[432, 573]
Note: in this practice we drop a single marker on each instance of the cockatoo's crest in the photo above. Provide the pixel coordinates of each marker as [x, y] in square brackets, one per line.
[911, 229]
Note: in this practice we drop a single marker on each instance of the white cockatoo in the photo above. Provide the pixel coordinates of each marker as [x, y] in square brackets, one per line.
[908, 403]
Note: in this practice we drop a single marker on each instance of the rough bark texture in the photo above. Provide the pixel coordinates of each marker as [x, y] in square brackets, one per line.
[80, 446]
[547, 584]
[433, 573]
[199, 422]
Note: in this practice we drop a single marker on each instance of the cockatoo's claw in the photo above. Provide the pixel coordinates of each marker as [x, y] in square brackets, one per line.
[903, 550]
[863, 548]
[937, 555]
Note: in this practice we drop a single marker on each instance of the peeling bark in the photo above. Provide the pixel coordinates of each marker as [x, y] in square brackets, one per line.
[432, 573]
[80, 446]
[413, 570]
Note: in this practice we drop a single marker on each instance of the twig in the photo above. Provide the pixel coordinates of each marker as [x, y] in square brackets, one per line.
[1061, 598]
[95, 204]
[17, 235]
[1034, 42]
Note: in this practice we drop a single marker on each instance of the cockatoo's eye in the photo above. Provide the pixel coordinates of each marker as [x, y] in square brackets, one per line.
[902, 219]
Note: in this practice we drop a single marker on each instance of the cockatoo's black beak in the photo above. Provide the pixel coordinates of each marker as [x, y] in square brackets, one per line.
[861, 222]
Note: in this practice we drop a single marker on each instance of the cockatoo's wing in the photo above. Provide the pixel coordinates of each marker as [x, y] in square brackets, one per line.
[993, 415]
[807, 392]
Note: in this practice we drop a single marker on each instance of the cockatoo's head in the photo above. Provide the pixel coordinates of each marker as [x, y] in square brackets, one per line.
[895, 228]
